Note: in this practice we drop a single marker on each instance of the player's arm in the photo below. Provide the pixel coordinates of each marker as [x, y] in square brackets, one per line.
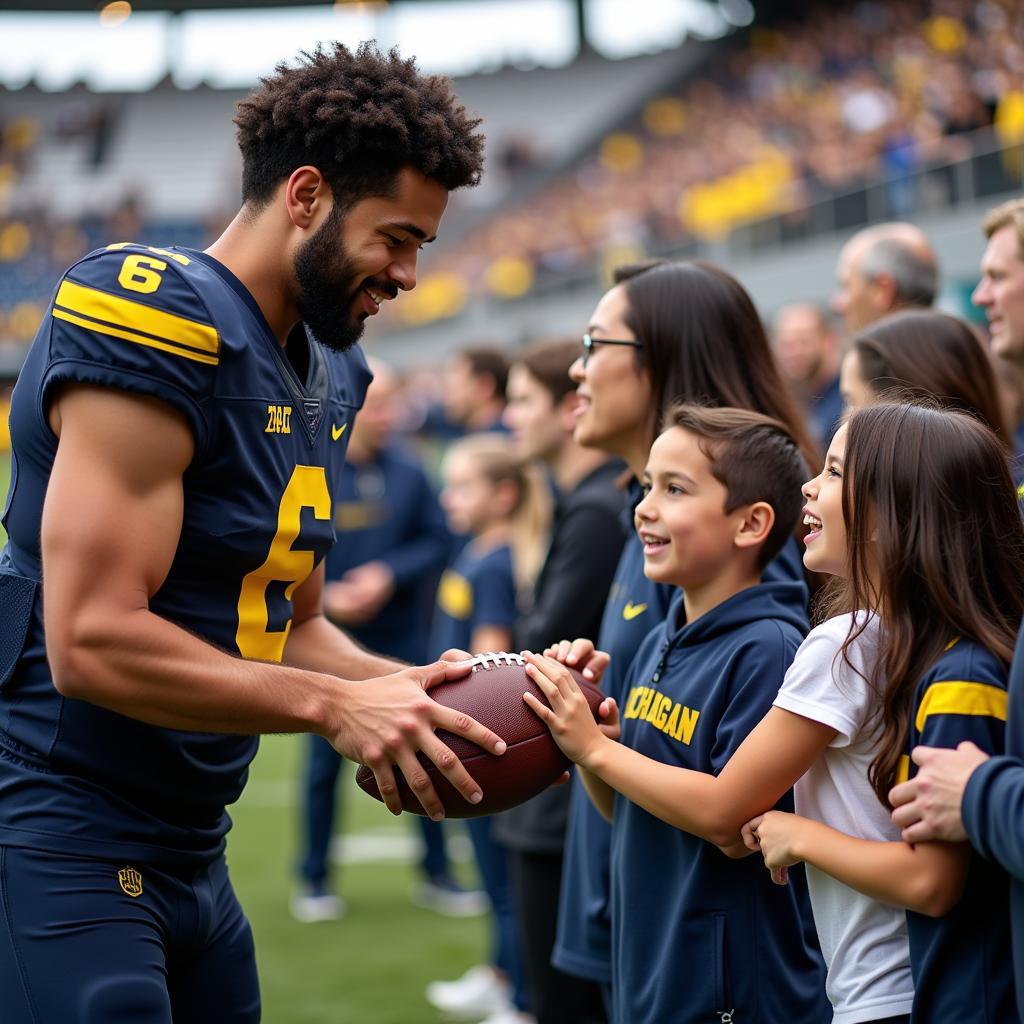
[110, 527]
[926, 877]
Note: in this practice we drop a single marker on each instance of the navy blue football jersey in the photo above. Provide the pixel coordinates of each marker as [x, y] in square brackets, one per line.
[176, 325]
[962, 962]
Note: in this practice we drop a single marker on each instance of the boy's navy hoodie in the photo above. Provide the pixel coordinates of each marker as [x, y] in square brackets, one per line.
[636, 605]
[697, 936]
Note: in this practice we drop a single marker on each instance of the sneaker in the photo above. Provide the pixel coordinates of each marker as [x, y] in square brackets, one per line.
[480, 992]
[446, 896]
[316, 904]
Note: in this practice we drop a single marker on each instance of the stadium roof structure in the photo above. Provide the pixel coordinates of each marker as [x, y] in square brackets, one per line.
[185, 6]
[775, 9]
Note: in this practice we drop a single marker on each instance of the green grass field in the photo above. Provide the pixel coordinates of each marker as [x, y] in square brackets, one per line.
[372, 965]
[368, 968]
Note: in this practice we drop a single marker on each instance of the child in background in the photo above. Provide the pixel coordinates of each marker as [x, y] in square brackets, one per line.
[953, 558]
[504, 506]
[697, 936]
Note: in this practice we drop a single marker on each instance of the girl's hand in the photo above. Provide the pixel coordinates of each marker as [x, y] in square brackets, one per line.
[580, 654]
[569, 718]
[776, 835]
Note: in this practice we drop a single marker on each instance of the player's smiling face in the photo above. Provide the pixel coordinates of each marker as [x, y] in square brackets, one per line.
[362, 257]
[823, 513]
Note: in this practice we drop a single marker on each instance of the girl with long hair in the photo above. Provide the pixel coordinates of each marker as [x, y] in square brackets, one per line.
[915, 514]
[665, 332]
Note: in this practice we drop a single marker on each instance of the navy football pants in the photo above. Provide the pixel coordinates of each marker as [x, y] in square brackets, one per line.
[76, 948]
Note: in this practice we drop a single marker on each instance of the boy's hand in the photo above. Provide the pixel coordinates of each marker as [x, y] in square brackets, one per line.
[775, 834]
[610, 724]
[581, 655]
[569, 718]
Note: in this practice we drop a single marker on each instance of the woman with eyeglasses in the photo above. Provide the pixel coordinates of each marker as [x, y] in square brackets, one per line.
[665, 332]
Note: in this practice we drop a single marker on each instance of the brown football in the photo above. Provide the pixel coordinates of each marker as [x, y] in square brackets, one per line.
[493, 694]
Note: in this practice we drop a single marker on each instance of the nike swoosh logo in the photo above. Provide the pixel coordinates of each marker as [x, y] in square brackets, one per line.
[336, 432]
[631, 611]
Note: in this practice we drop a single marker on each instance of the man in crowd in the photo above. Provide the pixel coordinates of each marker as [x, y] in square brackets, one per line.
[882, 269]
[807, 349]
[474, 389]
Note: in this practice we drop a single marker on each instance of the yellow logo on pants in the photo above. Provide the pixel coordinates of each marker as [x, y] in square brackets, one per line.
[131, 881]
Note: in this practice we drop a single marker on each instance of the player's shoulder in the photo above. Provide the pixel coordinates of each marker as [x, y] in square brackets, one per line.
[159, 277]
[162, 298]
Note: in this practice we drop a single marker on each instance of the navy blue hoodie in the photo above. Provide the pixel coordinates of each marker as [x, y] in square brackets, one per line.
[993, 812]
[696, 936]
[636, 605]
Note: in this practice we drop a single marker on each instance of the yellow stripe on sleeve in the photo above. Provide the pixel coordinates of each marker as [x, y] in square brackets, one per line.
[136, 318]
[903, 769]
[960, 698]
[139, 339]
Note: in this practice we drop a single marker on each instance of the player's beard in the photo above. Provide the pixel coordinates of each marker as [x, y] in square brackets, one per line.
[328, 286]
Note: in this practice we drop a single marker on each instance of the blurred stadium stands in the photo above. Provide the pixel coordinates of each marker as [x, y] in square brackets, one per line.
[761, 150]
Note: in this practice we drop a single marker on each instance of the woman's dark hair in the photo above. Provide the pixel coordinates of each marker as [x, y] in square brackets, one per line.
[920, 353]
[359, 118]
[704, 342]
[935, 541]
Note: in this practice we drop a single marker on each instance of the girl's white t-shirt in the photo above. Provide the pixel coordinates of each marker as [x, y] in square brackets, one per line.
[864, 942]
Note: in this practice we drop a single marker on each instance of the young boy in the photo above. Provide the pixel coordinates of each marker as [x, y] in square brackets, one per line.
[697, 936]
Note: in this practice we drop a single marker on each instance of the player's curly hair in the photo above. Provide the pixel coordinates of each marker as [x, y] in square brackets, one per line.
[359, 118]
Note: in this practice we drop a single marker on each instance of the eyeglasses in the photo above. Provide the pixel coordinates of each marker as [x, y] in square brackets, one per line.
[589, 343]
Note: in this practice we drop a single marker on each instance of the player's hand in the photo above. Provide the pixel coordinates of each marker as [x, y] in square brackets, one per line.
[569, 718]
[928, 806]
[775, 834]
[455, 654]
[582, 655]
[385, 722]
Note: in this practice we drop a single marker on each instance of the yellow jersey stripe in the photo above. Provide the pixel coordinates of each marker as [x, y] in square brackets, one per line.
[137, 317]
[960, 698]
[903, 769]
[139, 339]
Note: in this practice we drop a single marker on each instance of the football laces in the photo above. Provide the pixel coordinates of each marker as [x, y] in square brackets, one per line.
[496, 659]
